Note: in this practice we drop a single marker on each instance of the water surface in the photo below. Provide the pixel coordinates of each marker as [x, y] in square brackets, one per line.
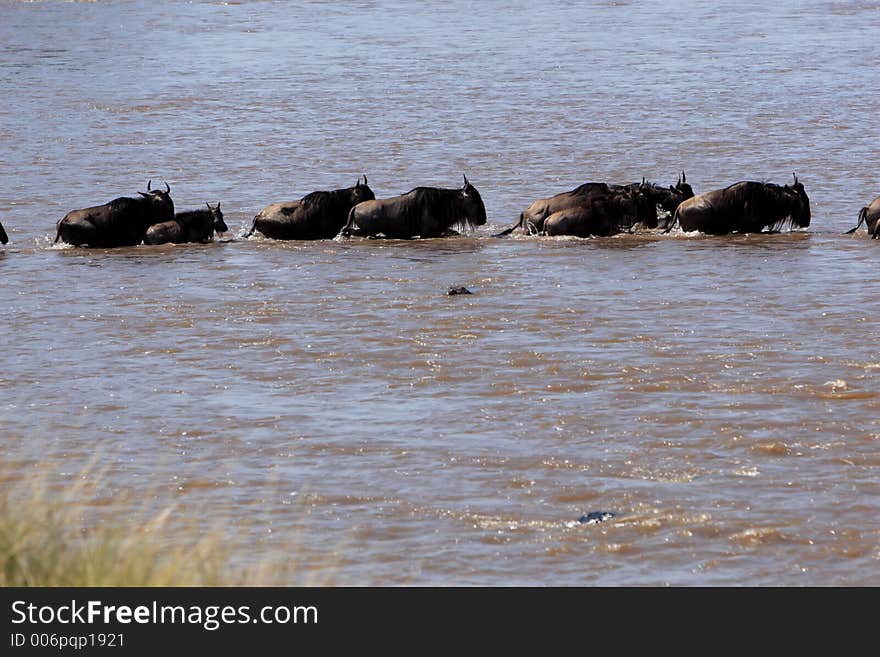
[326, 403]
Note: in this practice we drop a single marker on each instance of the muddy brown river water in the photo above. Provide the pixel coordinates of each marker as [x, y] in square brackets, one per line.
[328, 401]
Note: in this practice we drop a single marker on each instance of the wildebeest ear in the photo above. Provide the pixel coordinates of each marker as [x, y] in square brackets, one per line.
[209, 205]
[144, 194]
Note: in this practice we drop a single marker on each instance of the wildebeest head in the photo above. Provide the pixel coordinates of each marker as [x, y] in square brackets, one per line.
[679, 192]
[219, 225]
[800, 207]
[361, 192]
[161, 202]
[472, 204]
[642, 198]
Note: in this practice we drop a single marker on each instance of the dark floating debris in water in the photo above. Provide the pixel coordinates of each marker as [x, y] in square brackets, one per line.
[458, 290]
[595, 517]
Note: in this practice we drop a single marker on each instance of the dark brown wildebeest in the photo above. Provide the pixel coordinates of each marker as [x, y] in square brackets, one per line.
[121, 222]
[190, 226]
[665, 199]
[601, 216]
[421, 212]
[531, 220]
[647, 196]
[316, 216]
[745, 207]
[4, 238]
[869, 215]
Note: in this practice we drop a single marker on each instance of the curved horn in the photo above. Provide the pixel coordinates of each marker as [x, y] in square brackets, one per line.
[149, 182]
[795, 177]
[167, 187]
[365, 180]
[684, 178]
[466, 183]
[209, 205]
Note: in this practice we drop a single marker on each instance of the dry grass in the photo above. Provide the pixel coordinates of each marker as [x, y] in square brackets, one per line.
[46, 541]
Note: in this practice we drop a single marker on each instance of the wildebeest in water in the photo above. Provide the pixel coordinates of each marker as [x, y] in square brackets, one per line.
[190, 226]
[316, 216]
[421, 212]
[121, 222]
[870, 214]
[601, 216]
[4, 238]
[531, 220]
[664, 199]
[745, 207]
[644, 200]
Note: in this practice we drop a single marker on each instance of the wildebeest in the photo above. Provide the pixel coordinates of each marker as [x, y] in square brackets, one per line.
[531, 220]
[4, 238]
[189, 226]
[601, 216]
[745, 207]
[645, 198]
[121, 222]
[421, 212]
[665, 199]
[319, 215]
[869, 215]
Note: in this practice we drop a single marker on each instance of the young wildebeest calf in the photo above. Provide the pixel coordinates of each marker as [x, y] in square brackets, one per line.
[191, 226]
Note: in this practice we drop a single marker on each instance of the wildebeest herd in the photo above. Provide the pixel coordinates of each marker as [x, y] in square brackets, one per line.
[594, 209]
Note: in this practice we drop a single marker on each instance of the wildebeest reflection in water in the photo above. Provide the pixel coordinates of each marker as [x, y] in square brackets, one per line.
[316, 216]
[745, 207]
[869, 215]
[121, 222]
[421, 212]
[190, 226]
